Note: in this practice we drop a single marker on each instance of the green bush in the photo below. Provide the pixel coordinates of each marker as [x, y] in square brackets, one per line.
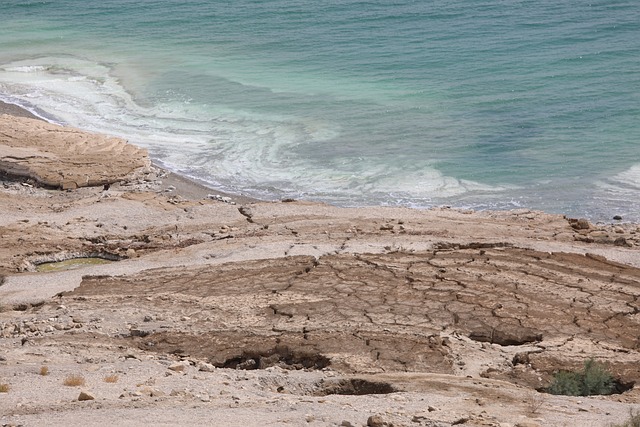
[566, 383]
[593, 379]
[597, 379]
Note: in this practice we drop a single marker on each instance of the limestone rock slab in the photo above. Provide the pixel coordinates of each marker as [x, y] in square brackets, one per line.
[65, 157]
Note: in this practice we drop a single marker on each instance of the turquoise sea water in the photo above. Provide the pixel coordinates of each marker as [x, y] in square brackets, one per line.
[483, 104]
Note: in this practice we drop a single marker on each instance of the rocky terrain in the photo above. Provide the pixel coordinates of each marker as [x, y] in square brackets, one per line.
[201, 309]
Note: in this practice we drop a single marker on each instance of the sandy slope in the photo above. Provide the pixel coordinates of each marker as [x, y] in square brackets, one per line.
[293, 313]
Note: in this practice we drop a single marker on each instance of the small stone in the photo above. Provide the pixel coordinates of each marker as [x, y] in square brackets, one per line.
[617, 218]
[520, 358]
[148, 318]
[376, 421]
[621, 241]
[205, 367]
[85, 395]
[177, 367]
[581, 224]
[345, 423]
[205, 398]
[431, 409]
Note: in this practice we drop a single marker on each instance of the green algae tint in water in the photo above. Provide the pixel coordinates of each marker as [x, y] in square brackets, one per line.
[486, 104]
[70, 264]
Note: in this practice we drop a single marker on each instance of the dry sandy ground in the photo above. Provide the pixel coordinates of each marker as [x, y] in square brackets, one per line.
[226, 311]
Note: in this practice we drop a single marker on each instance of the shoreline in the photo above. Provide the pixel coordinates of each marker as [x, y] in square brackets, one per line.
[194, 189]
[172, 182]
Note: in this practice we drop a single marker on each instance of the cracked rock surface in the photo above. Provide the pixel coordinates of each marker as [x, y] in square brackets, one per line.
[294, 313]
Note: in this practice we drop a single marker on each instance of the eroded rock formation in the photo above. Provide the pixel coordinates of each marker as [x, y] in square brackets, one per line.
[63, 157]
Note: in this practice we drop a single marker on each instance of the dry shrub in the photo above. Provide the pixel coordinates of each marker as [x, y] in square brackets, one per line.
[534, 402]
[44, 370]
[74, 380]
[4, 388]
[113, 378]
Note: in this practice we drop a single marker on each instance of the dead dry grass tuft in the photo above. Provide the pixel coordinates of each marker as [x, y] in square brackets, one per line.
[74, 380]
[44, 370]
[4, 388]
[113, 378]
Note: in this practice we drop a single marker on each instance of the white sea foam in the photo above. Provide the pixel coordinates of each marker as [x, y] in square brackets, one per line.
[231, 148]
[26, 69]
[629, 178]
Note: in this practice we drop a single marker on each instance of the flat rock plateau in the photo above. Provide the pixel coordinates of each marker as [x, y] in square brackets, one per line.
[212, 309]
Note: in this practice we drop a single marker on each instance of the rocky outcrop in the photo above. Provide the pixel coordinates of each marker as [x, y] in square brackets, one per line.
[63, 157]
